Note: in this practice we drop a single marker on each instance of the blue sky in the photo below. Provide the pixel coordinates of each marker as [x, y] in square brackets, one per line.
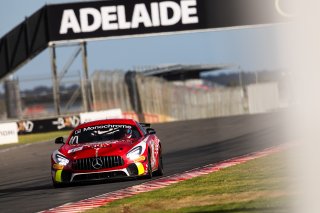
[252, 48]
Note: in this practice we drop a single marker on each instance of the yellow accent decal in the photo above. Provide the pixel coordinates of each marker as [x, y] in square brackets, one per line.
[57, 166]
[58, 176]
[140, 159]
[140, 168]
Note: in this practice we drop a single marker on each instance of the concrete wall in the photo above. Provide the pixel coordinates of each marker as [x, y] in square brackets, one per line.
[263, 97]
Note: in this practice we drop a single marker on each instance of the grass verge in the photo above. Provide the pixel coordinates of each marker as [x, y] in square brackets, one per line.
[256, 186]
[39, 137]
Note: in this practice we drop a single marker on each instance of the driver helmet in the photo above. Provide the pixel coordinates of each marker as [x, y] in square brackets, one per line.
[128, 133]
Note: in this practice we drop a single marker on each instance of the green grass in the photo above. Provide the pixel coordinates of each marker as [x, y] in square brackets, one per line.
[256, 186]
[40, 137]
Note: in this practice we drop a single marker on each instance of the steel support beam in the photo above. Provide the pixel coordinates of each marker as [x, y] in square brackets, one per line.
[85, 79]
[55, 80]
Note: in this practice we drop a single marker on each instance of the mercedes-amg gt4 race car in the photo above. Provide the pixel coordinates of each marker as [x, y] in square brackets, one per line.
[106, 149]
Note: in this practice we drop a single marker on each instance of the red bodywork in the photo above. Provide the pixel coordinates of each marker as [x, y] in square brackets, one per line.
[74, 162]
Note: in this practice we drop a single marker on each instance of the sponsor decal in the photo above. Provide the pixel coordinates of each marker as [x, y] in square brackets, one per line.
[25, 126]
[153, 157]
[63, 122]
[75, 149]
[48, 125]
[107, 126]
[74, 139]
[8, 133]
[78, 131]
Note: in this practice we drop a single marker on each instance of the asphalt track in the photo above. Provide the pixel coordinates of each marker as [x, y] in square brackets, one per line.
[25, 182]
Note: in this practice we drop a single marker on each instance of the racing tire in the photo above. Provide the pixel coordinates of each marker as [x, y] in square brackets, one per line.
[149, 175]
[58, 185]
[159, 171]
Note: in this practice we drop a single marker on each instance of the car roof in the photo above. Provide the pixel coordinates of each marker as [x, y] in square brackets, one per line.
[108, 121]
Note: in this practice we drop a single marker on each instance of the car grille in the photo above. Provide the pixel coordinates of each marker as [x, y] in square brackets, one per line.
[106, 161]
[99, 176]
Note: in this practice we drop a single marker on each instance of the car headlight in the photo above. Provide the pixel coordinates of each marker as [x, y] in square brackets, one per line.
[61, 160]
[134, 153]
[137, 151]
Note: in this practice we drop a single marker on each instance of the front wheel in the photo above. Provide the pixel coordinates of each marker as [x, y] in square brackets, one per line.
[56, 184]
[159, 171]
[149, 175]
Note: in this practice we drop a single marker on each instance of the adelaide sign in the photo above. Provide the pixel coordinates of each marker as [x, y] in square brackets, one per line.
[109, 18]
[113, 18]
[61, 23]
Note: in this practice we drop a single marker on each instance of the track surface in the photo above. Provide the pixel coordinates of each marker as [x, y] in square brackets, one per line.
[25, 182]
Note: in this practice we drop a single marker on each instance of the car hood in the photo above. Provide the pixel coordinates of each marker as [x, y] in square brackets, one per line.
[110, 148]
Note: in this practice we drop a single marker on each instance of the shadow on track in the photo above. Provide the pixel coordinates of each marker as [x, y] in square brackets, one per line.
[5, 192]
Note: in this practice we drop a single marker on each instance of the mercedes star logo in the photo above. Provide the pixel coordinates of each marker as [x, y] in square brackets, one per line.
[97, 163]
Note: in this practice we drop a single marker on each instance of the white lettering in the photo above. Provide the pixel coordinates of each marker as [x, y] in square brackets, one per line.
[78, 131]
[155, 14]
[140, 15]
[75, 121]
[60, 123]
[84, 19]
[74, 140]
[107, 126]
[123, 24]
[27, 126]
[75, 149]
[189, 12]
[69, 21]
[6, 133]
[164, 13]
[109, 17]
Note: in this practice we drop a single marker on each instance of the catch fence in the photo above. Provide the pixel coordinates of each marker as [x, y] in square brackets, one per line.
[158, 96]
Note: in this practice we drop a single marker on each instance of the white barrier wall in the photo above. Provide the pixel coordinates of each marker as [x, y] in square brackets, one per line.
[263, 97]
[100, 115]
[8, 133]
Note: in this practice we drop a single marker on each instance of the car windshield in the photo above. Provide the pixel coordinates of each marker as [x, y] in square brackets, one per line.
[103, 133]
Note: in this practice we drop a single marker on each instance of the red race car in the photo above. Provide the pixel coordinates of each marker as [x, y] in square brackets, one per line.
[106, 149]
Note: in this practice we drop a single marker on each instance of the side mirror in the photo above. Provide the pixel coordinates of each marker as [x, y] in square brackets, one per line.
[151, 131]
[59, 140]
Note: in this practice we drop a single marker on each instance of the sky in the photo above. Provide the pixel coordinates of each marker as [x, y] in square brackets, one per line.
[253, 49]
